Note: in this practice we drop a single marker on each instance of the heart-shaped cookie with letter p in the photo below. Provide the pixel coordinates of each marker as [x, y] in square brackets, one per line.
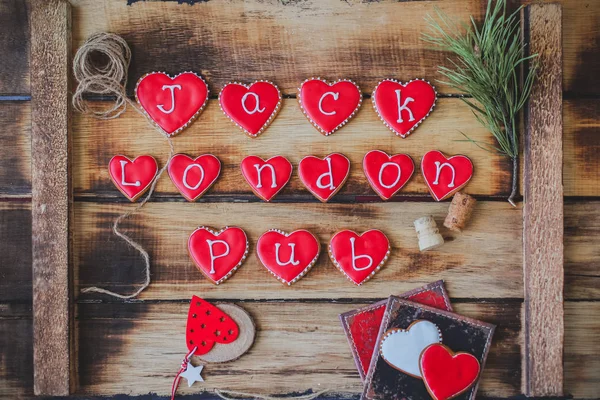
[218, 254]
[387, 174]
[266, 178]
[324, 177]
[288, 256]
[358, 257]
[172, 103]
[132, 178]
[329, 106]
[402, 107]
[193, 177]
[251, 107]
[445, 175]
[447, 374]
[402, 348]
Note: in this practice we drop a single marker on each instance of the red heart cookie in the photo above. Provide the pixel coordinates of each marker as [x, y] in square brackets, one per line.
[218, 254]
[402, 107]
[445, 176]
[193, 177]
[132, 178]
[324, 177]
[329, 106]
[359, 256]
[172, 103]
[288, 256]
[266, 178]
[251, 107]
[207, 325]
[387, 174]
[447, 374]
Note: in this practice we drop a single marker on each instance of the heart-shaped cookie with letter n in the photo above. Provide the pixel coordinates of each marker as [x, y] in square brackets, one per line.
[132, 178]
[266, 178]
[445, 175]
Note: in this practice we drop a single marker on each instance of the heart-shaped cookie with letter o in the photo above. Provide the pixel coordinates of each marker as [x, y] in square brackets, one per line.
[324, 177]
[193, 177]
[132, 178]
[266, 178]
[172, 103]
[387, 174]
[445, 175]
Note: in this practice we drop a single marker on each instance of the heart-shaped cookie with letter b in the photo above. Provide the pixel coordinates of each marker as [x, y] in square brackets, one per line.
[132, 178]
[445, 175]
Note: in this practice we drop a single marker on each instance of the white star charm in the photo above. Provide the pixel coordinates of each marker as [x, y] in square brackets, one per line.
[192, 374]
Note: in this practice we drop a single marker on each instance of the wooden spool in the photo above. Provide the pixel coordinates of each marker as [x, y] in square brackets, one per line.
[428, 233]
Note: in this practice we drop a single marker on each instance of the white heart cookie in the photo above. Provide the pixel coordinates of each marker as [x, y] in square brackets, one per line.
[401, 348]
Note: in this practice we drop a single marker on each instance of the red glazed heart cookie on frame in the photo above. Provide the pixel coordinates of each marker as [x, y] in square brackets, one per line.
[329, 106]
[266, 178]
[288, 256]
[402, 107]
[172, 103]
[359, 256]
[132, 178]
[324, 177]
[193, 177]
[387, 174]
[445, 176]
[218, 254]
[251, 107]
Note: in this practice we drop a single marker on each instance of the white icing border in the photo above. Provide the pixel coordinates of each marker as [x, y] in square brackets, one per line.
[194, 160]
[389, 157]
[266, 161]
[145, 189]
[192, 118]
[271, 117]
[452, 191]
[322, 200]
[415, 126]
[344, 122]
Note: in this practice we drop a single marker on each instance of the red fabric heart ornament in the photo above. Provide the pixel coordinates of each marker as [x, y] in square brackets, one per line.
[387, 174]
[324, 177]
[132, 178]
[445, 176]
[207, 325]
[447, 374]
[329, 106]
[358, 257]
[172, 103]
[266, 178]
[402, 107]
[251, 107]
[193, 177]
[218, 254]
[288, 256]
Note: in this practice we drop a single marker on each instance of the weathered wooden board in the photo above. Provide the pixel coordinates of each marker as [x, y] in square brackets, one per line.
[16, 351]
[15, 247]
[15, 151]
[14, 45]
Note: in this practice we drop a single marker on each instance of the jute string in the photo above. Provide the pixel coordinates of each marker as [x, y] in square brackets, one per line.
[110, 80]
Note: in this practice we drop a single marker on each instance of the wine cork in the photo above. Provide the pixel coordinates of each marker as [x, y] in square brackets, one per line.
[459, 212]
[428, 233]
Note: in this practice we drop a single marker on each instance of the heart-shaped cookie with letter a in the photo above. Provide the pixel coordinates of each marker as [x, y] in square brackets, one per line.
[132, 178]
[445, 175]
[387, 174]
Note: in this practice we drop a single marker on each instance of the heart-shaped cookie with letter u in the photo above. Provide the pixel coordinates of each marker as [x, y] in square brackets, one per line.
[288, 256]
[403, 106]
[218, 254]
[324, 177]
[329, 106]
[251, 107]
[193, 177]
[358, 257]
[132, 178]
[387, 174]
[445, 175]
[266, 178]
[172, 103]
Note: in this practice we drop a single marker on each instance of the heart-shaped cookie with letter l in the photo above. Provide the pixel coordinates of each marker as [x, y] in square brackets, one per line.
[402, 107]
[324, 177]
[329, 106]
[387, 174]
[266, 178]
[218, 254]
[402, 348]
[358, 257]
[193, 177]
[172, 103]
[288, 256]
[447, 374]
[445, 175]
[132, 178]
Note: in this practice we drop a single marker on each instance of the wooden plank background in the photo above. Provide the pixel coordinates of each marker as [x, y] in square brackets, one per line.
[227, 40]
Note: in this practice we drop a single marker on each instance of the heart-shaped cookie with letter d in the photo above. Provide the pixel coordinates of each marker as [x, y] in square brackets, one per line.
[447, 374]
[132, 178]
[288, 256]
[193, 177]
[445, 175]
[324, 177]
[218, 254]
[402, 348]
[387, 174]
[172, 103]
[358, 257]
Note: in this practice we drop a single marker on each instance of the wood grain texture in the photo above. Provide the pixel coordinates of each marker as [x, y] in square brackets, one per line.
[51, 194]
[16, 358]
[543, 272]
[290, 135]
[15, 247]
[15, 152]
[14, 47]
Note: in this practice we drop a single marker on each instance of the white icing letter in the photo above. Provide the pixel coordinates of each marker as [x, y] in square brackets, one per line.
[185, 182]
[172, 89]
[212, 256]
[256, 107]
[439, 167]
[273, 176]
[335, 97]
[388, 164]
[327, 174]
[123, 164]
[355, 257]
[404, 107]
[291, 260]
